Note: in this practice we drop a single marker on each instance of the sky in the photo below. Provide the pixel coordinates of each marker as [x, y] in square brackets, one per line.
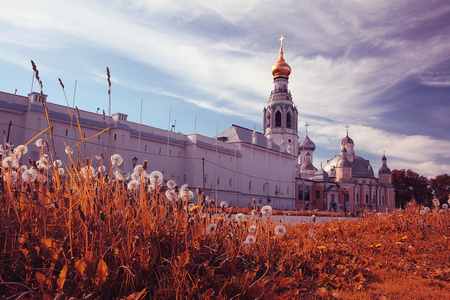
[382, 67]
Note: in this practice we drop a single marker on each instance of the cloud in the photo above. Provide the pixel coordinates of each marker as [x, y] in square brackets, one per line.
[420, 153]
[345, 57]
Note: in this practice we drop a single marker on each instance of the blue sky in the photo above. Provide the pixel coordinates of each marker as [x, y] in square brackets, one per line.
[382, 67]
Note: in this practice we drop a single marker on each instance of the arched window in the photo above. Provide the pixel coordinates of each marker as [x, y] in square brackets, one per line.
[278, 119]
[288, 120]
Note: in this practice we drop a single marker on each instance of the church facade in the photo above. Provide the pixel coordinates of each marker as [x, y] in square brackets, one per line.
[237, 166]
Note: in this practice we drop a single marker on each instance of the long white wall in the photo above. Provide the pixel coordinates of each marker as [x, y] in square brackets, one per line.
[235, 172]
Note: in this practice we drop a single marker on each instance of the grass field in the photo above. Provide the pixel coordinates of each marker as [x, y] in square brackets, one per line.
[73, 231]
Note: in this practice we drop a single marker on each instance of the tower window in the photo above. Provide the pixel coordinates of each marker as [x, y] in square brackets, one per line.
[288, 121]
[278, 119]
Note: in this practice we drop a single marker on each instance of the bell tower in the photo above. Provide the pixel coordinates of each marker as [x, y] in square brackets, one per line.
[280, 115]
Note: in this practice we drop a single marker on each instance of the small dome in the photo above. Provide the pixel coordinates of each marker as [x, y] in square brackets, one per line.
[306, 144]
[281, 68]
[384, 170]
[347, 140]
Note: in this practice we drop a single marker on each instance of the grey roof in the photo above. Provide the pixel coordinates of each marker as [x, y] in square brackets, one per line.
[308, 166]
[13, 106]
[360, 167]
[321, 175]
[240, 134]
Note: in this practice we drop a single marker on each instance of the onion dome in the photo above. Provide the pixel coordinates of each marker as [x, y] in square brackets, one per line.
[347, 140]
[281, 68]
[306, 144]
[384, 169]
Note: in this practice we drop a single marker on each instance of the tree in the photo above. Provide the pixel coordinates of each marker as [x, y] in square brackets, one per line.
[409, 185]
[440, 187]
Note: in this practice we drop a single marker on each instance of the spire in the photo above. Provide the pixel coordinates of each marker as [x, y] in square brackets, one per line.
[281, 68]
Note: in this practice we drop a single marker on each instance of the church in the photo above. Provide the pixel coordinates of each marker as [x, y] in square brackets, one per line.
[239, 165]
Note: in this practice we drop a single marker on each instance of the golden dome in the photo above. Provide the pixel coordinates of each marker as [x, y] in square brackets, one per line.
[281, 68]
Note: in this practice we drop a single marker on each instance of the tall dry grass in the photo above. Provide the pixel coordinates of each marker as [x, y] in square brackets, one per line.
[75, 230]
[81, 232]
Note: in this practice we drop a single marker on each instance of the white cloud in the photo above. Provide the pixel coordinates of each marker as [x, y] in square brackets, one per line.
[343, 56]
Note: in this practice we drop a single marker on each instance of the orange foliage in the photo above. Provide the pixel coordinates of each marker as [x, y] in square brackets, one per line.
[92, 236]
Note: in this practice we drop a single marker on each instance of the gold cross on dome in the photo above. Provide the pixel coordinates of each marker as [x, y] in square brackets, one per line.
[281, 40]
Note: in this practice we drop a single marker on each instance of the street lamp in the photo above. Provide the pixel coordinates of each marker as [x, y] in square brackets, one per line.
[134, 161]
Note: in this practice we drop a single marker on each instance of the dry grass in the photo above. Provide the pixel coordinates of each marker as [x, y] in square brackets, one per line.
[86, 235]
[70, 231]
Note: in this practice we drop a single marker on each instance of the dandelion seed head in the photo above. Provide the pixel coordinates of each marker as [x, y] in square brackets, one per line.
[441, 211]
[156, 177]
[68, 150]
[239, 217]
[184, 192]
[266, 210]
[171, 184]
[133, 184]
[251, 239]
[13, 175]
[171, 195]
[87, 172]
[252, 228]
[40, 143]
[42, 164]
[212, 227]
[224, 204]
[57, 163]
[101, 169]
[445, 206]
[135, 176]
[30, 175]
[151, 188]
[427, 209]
[139, 169]
[246, 243]
[116, 160]
[120, 175]
[20, 150]
[8, 162]
[23, 168]
[280, 230]
[422, 212]
[61, 171]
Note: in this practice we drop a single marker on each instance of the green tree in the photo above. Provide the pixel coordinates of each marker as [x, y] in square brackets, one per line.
[410, 185]
[440, 186]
